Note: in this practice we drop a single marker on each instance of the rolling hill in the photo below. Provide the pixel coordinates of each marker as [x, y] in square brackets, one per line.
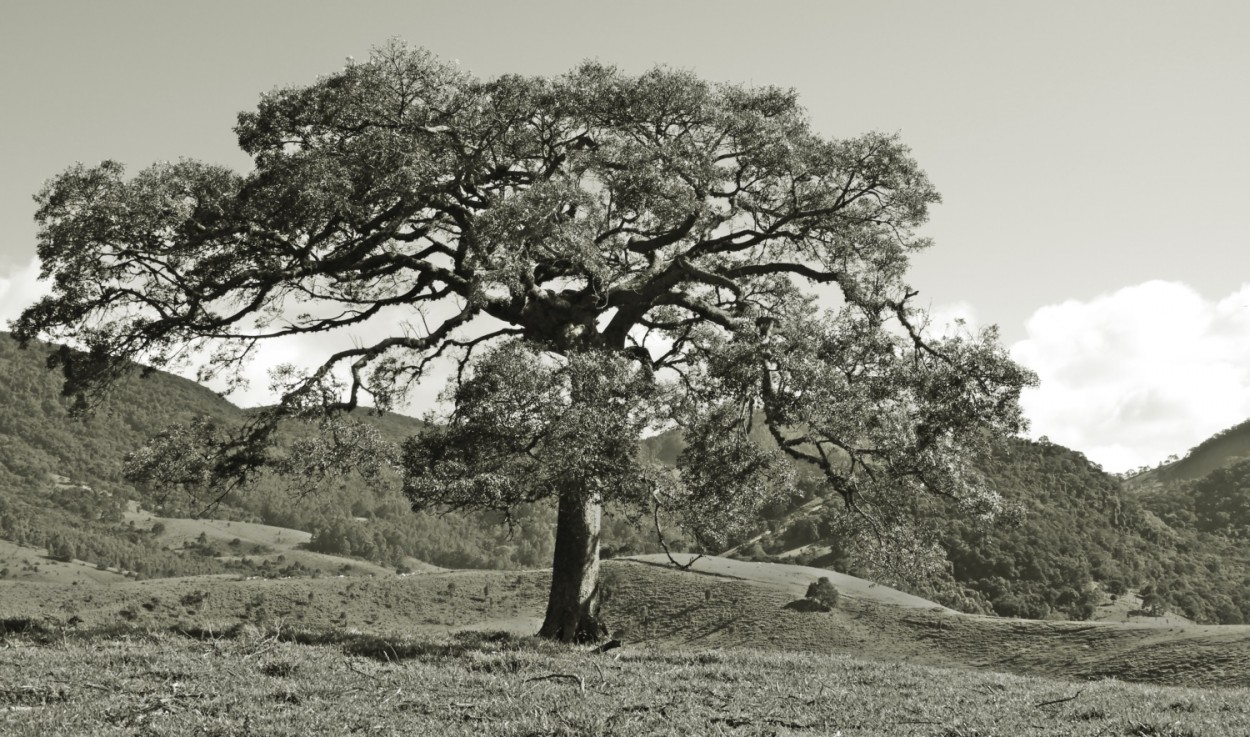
[719, 604]
[1073, 542]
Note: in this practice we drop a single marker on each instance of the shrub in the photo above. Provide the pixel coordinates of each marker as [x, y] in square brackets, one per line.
[823, 592]
[59, 548]
[193, 599]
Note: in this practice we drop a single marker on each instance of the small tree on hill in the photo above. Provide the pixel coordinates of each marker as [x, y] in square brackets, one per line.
[600, 255]
[60, 548]
[823, 592]
[1154, 600]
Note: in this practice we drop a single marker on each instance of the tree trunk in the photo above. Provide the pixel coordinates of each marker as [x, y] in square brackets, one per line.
[573, 606]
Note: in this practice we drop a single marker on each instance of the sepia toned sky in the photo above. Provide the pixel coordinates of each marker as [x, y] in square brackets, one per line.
[1093, 156]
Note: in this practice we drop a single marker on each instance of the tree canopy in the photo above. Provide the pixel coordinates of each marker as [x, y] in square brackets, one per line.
[601, 256]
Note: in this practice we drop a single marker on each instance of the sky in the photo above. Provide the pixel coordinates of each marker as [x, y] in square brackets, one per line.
[1092, 156]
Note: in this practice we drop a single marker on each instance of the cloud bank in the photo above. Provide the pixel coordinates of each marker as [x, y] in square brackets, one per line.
[1132, 377]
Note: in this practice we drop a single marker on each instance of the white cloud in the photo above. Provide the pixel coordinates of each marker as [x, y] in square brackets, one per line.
[954, 318]
[309, 351]
[1131, 377]
[19, 289]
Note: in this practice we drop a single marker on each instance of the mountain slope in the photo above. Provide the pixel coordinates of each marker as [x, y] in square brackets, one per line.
[1070, 539]
[38, 439]
[1218, 451]
[55, 468]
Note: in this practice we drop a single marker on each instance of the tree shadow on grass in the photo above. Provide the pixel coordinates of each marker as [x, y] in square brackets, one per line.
[807, 605]
[27, 628]
[389, 648]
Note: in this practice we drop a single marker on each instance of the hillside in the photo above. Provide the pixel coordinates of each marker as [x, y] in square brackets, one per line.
[38, 440]
[1218, 451]
[63, 483]
[1071, 544]
[1216, 504]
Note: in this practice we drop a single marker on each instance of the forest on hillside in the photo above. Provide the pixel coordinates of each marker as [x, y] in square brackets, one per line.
[62, 471]
[1070, 535]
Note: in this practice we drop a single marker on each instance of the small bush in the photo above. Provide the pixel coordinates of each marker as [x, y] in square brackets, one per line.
[195, 598]
[823, 592]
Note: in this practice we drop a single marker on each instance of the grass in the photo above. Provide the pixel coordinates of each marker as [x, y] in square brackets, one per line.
[293, 682]
[648, 606]
[703, 654]
[665, 608]
[429, 602]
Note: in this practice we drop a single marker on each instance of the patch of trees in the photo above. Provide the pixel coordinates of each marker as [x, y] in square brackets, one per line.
[27, 521]
[1080, 536]
[1218, 503]
[469, 539]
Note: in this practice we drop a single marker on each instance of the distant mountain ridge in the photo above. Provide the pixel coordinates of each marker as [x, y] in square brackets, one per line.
[1218, 451]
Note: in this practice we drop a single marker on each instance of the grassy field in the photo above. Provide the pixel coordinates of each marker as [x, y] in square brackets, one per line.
[717, 652]
[259, 682]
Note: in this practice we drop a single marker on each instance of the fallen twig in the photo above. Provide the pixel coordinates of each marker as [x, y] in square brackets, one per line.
[569, 676]
[361, 672]
[1059, 701]
[398, 691]
[736, 722]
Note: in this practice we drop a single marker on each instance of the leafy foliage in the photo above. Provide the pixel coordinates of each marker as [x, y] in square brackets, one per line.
[657, 218]
[823, 592]
[1217, 503]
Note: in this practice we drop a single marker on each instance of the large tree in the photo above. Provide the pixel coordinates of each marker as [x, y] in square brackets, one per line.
[599, 255]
